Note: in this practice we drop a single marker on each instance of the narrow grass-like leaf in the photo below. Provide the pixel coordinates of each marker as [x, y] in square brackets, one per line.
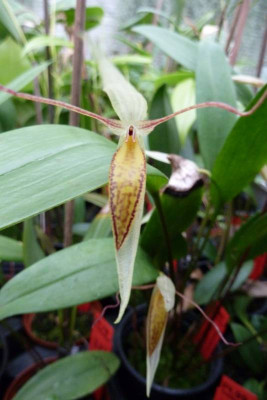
[71, 377]
[65, 278]
[22, 80]
[43, 41]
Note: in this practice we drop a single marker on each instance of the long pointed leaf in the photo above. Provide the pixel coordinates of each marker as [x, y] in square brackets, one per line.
[80, 273]
[53, 164]
[71, 377]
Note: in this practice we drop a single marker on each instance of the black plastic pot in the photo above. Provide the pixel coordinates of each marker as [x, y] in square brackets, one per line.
[133, 385]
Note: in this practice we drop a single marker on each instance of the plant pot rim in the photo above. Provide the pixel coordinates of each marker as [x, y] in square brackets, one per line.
[27, 320]
[23, 377]
[215, 371]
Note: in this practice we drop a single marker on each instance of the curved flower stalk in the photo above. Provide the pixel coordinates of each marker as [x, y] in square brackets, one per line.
[161, 303]
[128, 167]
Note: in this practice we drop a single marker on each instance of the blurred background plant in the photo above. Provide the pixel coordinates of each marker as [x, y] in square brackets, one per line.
[177, 53]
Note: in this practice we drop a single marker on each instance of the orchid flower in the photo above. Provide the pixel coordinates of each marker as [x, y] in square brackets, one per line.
[127, 177]
[161, 303]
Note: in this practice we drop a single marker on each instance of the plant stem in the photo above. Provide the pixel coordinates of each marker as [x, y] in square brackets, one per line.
[166, 235]
[74, 121]
[75, 99]
[225, 234]
[48, 57]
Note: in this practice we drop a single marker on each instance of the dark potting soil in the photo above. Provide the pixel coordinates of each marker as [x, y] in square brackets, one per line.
[172, 365]
[45, 326]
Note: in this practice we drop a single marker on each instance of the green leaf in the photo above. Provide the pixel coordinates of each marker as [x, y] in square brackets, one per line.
[208, 286]
[32, 251]
[255, 387]
[45, 41]
[250, 352]
[100, 227]
[22, 80]
[44, 166]
[7, 21]
[93, 15]
[164, 138]
[178, 47]
[83, 272]
[10, 249]
[179, 213]
[71, 377]
[12, 63]
[184, 95]
[242, 156]
[131, 59]
[138, 19]
[213, 83]
[173, 78]
[242, 243]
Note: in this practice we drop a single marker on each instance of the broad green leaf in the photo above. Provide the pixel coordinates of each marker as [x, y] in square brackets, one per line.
[184, 95]
[164, 138]
[242, 243]
[32, 252]
[45, 41]
[207, 288]
[12, 63]
[176, 46]
[250, 352]
[71, 377]
[8, 114]
[81, 273]
[179, 213]
[242, 156]
[44, 166]
[255, 387]
[10, 249]
[213, 83]
[22, 80]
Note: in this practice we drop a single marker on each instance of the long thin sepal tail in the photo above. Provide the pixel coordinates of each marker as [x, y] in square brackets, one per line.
[127, 180]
